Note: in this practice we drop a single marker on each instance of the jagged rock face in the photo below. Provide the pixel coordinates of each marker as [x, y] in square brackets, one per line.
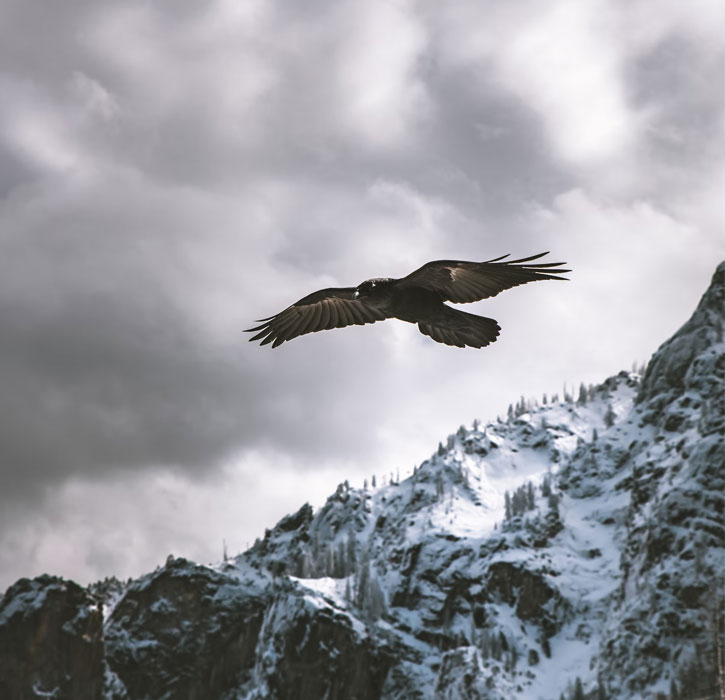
[51, 641]
[308, 650]
[528, 593]
[689, 368]
[461, 581]
[460, 676]
[184, 632]
[667, 614]
[189, 632]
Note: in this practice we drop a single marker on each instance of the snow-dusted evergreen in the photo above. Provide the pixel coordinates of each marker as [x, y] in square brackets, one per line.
[572, 549]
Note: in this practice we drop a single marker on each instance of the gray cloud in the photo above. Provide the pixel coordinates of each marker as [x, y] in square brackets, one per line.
[169, 174]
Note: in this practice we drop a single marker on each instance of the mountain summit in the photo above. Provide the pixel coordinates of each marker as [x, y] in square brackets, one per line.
[572, 550]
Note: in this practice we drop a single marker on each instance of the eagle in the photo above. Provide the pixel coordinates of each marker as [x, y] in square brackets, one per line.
[418, 298]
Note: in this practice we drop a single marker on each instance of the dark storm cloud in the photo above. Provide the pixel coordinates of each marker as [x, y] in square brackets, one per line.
[107, 359]
[169, 173]
[104, 365]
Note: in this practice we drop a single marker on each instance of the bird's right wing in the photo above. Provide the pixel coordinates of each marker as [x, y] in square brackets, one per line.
[460, 281]
[328, 308]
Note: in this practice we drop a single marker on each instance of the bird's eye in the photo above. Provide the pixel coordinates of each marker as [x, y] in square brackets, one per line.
[372, 284]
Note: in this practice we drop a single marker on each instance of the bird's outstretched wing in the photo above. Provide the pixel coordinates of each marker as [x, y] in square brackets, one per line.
[327, 308]
[461, 282]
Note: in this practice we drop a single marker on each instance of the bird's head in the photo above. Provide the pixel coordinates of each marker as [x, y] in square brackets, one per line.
[369, 288]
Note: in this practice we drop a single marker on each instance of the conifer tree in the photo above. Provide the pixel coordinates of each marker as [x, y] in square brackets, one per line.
[440, 487]
[523, 406]
[546, 647]
[554, 502]
[546, 486]
[582, 399]
[516, 503]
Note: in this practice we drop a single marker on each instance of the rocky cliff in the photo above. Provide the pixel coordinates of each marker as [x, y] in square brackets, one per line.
[574, 549]
[51, 641]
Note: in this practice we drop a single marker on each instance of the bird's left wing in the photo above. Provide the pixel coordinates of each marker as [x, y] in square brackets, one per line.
[461, 282]
[328, 308]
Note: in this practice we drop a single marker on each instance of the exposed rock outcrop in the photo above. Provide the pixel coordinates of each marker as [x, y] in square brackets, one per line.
[51, 641]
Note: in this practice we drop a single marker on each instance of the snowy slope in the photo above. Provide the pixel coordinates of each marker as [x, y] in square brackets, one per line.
[454, 575]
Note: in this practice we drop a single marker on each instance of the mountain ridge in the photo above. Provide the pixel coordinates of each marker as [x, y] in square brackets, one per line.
[571, 550]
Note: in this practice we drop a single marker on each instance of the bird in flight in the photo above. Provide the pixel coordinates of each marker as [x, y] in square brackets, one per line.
[418, 298]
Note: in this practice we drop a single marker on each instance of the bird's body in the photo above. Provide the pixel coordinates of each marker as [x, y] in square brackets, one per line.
[418, 298]
[413, 304]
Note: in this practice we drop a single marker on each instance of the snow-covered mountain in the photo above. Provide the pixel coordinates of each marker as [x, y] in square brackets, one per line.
[573, 549]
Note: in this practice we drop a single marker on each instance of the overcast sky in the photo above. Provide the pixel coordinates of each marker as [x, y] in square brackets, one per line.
[171, 171]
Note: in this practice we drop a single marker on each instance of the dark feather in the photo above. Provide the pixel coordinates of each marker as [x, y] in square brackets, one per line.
[462, 282]
[461, 329]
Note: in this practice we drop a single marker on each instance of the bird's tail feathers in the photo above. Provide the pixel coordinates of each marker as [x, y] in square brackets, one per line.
[460, 329]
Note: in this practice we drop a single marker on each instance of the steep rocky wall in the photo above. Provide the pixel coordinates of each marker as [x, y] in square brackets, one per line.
[51, 641]
[669, 613]
[185, 632]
